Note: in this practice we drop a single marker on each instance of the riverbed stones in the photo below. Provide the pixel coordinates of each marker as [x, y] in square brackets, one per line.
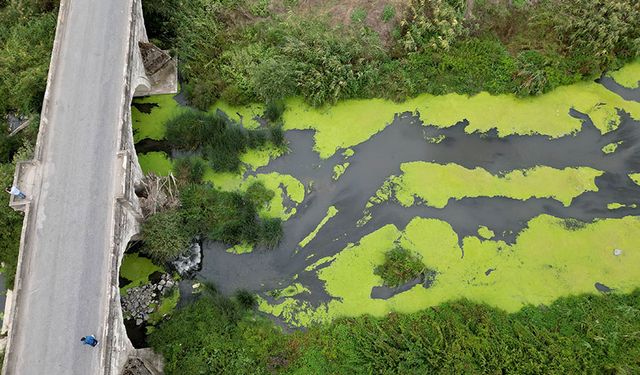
[140, 302]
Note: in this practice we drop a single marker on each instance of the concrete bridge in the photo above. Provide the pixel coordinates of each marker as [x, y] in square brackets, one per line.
[81, 209]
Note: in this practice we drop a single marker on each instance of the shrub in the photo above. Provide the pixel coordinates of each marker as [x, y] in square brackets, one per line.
[258, 194]
[598, 33]
[277, 136]
[165, 236]
[246, 299]
[25, 50]
[431, 25]
[400, 266]
[229, 217]
[218, 139]
[274, 110]
[189, 170]
[271, 232]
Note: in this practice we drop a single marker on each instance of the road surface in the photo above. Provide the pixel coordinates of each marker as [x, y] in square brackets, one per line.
[64, 295]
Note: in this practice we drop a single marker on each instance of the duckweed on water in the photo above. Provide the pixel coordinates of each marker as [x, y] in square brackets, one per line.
[136, 269]
[331, 212]
[547, 261]
[156, 162]
[611, 147]
[628, 76]
[339, 169]
[352, 122]
[152, 125]
[485, 232]
[635, 177]
[435, 184]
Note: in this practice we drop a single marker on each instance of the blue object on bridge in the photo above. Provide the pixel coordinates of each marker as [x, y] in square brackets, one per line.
[89, 340]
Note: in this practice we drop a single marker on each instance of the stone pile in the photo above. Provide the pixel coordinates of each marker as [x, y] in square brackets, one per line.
[140, 302]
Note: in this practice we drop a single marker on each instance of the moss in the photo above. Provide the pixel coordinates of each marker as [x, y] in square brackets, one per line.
[136, 269]
[435, 184]
[611, 147]
[331, 212]
[485, 232]
[628, 76]
[339, 169]
[156, 162]
[547, 261]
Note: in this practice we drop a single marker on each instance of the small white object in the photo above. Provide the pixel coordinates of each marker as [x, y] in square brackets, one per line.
[617, 252]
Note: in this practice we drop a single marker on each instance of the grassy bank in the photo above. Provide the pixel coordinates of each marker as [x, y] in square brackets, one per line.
[578, 334]
[328, 51]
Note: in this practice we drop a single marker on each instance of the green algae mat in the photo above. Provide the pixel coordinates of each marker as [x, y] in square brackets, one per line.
[510, 201]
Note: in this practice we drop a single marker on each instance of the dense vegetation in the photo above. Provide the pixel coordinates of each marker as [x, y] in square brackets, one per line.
[206, 212]
[26, 36]
[400, 266]
[575, 335]
[217, 139]
[256, 50]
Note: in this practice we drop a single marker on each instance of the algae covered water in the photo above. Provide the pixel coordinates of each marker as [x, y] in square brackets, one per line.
[510, 201]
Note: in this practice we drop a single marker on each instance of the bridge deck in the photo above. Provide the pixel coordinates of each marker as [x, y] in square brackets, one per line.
[64, 289]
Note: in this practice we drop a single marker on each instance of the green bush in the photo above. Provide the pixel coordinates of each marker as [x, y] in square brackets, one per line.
[229, 217]
[258, 194]
[400, 266]
[598, 33]
[219, 140]
[431, 25]
[216, 335]
[246, 299]
[274, 110]
[189, 170]
[574, 335]
[271, 232]
[25, 50]
[165, 236]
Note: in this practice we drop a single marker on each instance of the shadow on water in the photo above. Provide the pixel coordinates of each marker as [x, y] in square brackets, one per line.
[406, 140]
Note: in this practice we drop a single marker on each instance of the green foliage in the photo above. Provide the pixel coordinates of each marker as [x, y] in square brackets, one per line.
[229, 217]
[358, 15]
[189, 170]
[216, 335]
[258, 194]
[431, 25]
[259, 8]
[246, 299]
[218, 139]
[25, 48]
[388, 13]
[598, 33]
[165, 236]
[271, 232]
[400, 266]
[274, 110]
[574, 335]
[10, 229]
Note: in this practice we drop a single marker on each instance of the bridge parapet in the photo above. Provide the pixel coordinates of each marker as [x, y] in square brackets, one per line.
[127, 214]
